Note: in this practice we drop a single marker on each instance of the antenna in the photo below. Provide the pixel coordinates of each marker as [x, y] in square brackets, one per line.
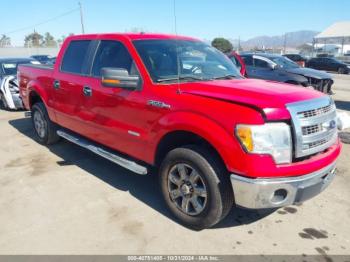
[177, 49]
[81, 18]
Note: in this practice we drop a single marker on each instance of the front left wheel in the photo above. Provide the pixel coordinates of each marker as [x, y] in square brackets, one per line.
[196, 186]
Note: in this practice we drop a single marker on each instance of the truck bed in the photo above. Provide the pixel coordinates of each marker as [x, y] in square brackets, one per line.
[41, 75]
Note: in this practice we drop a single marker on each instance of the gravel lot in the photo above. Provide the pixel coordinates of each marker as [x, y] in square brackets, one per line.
[64, 200]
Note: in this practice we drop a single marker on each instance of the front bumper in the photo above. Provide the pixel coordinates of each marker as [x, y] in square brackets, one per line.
[276, 192]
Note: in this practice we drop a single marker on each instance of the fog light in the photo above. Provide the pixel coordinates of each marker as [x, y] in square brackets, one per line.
[279, 196]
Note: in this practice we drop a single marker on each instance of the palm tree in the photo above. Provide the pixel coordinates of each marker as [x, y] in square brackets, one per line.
[5, 41]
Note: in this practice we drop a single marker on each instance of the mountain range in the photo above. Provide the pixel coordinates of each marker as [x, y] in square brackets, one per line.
[293, 39]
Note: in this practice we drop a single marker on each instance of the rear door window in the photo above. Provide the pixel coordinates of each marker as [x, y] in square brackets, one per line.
[75, 57]
[261, 63]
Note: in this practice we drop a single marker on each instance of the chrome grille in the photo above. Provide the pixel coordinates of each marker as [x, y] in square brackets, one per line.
[308, 130]
[315, 112]
[315, 126]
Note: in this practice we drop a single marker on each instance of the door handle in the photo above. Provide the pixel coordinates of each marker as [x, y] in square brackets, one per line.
[87, 91]
[56, 84]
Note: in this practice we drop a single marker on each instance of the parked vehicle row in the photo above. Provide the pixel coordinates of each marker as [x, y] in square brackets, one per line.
[328, 64]
[44, 59]
[177, 105]
[281, 69]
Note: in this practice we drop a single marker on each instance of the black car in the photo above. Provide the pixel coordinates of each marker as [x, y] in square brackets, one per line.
[281, 69]
[328, 64]
[297, 58]
[44, 59]
[51, 61]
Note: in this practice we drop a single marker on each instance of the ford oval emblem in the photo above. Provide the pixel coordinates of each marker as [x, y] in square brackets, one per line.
[330, 125]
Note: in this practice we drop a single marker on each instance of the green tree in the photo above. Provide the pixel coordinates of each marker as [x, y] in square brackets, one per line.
[63, 37]
[49, 40]
[33, 40]
[222, 44]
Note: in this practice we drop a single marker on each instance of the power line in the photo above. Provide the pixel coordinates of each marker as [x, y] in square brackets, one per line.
[43, 22]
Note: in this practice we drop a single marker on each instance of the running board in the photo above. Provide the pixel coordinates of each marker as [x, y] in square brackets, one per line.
[130, 165]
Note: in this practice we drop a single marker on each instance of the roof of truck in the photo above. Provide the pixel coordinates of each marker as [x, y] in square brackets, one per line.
[136, 36]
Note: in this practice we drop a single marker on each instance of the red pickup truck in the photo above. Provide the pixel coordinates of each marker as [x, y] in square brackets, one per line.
[177, 104]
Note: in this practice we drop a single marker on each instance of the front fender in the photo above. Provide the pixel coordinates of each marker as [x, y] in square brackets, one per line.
[295, 78]
[221, 139]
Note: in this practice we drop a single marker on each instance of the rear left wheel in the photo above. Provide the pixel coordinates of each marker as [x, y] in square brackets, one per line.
[44, 128]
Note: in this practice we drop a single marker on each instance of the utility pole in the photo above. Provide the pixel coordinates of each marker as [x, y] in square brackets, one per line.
[239, 44]
[285, 43]
[81, 18]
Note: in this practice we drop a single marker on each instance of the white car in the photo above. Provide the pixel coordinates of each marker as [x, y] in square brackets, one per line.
[9, 91]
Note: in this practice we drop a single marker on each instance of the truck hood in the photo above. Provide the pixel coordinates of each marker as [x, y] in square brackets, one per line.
[266, 96]
[309, 72]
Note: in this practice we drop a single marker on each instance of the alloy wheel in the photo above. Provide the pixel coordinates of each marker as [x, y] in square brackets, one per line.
[187, 189]
[39, 124]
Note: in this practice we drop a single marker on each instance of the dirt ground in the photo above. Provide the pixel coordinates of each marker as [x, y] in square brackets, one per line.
[64, 200]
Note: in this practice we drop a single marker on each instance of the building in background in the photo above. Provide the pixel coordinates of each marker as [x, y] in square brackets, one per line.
[334, 40]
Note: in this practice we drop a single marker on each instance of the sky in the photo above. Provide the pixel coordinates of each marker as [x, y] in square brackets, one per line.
[205, 19]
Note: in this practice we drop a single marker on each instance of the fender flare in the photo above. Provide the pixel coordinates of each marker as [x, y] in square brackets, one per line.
[212, 132]
[34, 87]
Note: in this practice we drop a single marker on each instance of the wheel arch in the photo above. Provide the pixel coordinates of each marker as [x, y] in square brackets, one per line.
[179, 138]
[34, 98]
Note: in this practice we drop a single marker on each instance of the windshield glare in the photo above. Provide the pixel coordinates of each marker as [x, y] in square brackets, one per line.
[284, 62]
[197, 60]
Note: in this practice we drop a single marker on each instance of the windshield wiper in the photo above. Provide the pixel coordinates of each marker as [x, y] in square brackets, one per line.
[180, 78]
[229, 76]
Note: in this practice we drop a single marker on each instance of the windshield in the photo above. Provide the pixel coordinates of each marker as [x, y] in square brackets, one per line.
[284, 62]
[197, 61]
[10, 68]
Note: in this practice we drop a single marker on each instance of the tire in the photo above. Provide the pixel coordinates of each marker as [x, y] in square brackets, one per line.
[212, 191]
[341, 70]
[3, 103]
[44, 128]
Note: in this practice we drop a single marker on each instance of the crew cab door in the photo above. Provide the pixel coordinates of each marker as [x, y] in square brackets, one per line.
[117, 117]
[261, 69]
[68, 85]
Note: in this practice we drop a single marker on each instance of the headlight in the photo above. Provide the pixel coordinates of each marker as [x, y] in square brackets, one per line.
[271, 138]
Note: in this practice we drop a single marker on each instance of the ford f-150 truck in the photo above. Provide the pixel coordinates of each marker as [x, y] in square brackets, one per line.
[177, 106]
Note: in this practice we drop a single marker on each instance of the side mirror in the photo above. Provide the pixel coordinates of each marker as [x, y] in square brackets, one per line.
[119, 77]
[274, 66]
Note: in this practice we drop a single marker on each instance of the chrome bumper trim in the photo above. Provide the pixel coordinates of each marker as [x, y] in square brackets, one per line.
[261, 192]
